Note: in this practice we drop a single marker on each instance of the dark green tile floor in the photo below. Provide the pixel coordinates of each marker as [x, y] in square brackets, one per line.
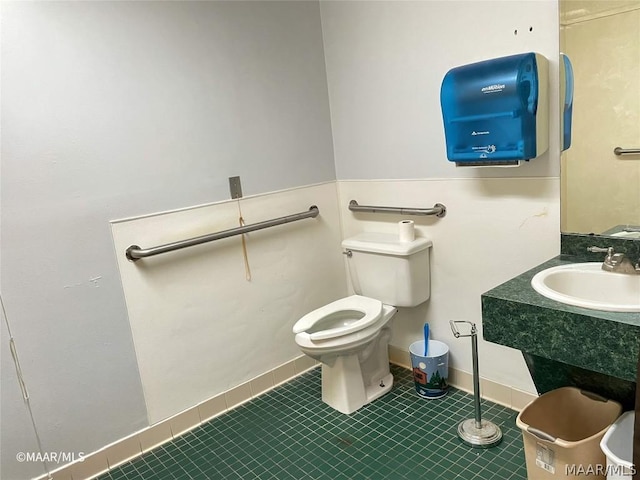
[289, 433]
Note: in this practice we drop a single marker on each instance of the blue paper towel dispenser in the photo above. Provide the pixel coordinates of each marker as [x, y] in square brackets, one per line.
[566, 100]
[496, 111]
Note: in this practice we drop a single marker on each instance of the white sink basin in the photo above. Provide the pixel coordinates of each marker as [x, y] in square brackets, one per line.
[587, 285]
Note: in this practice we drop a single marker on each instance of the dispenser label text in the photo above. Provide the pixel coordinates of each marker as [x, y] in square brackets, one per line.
[485, 149]
[495, 88]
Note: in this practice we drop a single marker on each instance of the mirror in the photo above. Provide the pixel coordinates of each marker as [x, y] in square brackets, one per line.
[600, 191]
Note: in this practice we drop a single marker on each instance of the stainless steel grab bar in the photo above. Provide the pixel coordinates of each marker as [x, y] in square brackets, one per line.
[626, 151]
[134, 252]
[439, 210]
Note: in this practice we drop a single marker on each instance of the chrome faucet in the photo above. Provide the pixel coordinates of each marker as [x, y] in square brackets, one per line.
[616, 262]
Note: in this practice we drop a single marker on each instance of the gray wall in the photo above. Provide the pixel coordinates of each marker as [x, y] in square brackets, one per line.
[117, 109]
[385, 64]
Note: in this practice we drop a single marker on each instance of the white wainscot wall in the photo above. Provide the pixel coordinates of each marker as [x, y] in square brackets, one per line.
[495, 229]
[199, 327]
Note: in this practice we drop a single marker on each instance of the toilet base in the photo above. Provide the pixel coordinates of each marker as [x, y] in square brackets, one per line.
[376, 391]
[357, 371]
[343, 387]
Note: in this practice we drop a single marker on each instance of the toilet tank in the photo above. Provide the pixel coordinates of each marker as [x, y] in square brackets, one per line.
[381, 267]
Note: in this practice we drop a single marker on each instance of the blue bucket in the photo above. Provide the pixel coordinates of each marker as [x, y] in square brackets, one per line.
[430, 373]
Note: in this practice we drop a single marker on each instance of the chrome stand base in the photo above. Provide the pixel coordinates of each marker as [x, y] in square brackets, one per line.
[488, 435]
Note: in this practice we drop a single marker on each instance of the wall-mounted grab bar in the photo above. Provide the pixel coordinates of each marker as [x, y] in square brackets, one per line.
[439, 210]
[134, 252]
[626, 151]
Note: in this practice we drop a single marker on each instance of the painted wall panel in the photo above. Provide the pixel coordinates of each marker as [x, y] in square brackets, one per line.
[199, 327]
[494, 230]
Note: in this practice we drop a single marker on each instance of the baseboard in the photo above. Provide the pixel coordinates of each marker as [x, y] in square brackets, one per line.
[501, 394]
[134, 445]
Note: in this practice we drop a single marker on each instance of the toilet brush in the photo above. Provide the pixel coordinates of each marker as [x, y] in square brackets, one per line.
[476, 432]
[426, 339]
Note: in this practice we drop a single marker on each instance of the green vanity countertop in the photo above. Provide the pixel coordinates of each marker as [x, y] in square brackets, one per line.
[515, 315]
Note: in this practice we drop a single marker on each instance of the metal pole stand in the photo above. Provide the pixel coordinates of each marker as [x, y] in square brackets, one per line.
[476, 432]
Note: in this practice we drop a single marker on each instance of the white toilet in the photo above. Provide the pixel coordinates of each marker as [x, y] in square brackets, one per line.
[350, 336]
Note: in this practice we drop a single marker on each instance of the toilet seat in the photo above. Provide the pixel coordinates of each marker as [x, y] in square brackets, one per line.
[369, 308]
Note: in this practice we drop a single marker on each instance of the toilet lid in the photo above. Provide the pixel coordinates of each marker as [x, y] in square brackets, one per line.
[367, 309]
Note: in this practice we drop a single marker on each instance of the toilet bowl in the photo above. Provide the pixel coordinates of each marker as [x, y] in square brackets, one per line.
[350, 338]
